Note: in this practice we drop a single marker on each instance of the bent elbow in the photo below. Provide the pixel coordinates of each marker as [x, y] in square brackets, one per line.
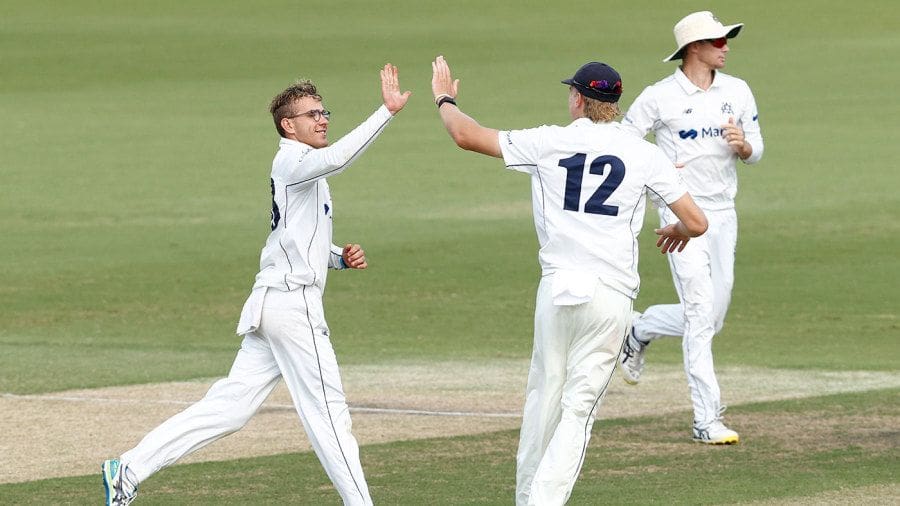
[462, 140]
[698, 227]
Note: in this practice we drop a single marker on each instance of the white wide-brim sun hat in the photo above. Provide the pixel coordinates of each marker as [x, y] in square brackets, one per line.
[700, 26]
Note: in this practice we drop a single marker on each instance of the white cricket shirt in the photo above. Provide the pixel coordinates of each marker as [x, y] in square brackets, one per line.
[299, 251]
[587, 184]
[687, 122]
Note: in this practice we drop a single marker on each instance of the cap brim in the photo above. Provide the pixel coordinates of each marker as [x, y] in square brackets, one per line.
[733, 30]
[730, 32]
[570, 81]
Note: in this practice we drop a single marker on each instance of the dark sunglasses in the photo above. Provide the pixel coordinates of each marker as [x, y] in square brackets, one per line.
[718, 43]
[315, 114]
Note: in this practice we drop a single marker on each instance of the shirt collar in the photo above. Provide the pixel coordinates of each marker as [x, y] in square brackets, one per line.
[691, 88]
[580, 122]
[291, 142]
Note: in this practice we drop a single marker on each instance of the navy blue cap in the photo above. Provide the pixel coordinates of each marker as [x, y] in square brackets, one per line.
[598, 81]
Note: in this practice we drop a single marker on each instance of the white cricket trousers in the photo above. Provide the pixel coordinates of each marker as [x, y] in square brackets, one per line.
[291, 343]
[703, 275]
[575, 353]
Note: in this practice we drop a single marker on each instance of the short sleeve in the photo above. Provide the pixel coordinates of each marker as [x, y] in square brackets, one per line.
[642, 115]
[521, 149]
[665, 180]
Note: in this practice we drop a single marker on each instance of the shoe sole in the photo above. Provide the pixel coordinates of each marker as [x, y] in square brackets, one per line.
[627, 377]
[724, 441]
[107, 481]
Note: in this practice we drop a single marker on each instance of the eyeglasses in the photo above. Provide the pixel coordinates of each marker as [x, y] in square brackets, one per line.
[315, 114]
[718, 43]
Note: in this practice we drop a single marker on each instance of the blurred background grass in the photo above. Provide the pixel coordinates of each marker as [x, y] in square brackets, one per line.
[136, 148]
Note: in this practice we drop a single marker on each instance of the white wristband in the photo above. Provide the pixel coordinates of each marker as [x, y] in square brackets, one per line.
[439, 97]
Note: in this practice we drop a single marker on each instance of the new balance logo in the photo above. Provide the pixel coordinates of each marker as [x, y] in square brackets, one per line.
[684, 134]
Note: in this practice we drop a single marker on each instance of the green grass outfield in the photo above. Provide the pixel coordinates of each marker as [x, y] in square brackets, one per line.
[636, 461]
[134, 199]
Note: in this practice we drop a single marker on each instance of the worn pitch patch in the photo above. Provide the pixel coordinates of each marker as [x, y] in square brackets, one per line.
[873, 495]
[69, 433]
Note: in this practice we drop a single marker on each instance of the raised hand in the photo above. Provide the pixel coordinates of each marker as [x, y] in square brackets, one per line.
[390, 89]
[442, 83]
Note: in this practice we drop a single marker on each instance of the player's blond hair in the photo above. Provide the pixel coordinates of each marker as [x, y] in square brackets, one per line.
[599, 111]
[282, 105]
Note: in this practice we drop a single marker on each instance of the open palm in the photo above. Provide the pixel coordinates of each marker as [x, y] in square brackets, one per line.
[390, 89]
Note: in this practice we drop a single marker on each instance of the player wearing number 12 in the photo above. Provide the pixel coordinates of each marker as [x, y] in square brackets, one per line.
[588, 181]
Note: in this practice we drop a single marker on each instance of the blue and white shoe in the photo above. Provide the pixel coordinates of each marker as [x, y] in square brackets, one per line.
[119, 482]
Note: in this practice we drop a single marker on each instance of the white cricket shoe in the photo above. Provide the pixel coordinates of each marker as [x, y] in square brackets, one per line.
[121, 488]
[715, 433]
[631, 359]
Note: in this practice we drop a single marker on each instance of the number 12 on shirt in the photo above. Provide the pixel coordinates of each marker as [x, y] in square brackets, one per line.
[575, 165]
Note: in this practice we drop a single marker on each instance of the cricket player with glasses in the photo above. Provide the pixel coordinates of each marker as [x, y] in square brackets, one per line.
[283, 321]
[705, 121]
[588, 181]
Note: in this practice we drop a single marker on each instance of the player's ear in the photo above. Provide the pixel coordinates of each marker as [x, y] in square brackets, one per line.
[693, 47]
[287, 126]
[579, 100]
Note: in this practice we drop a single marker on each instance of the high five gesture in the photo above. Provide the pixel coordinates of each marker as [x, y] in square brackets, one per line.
[390, 89]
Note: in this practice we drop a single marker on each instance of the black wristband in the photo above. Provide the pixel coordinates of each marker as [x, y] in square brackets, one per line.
[445, 100]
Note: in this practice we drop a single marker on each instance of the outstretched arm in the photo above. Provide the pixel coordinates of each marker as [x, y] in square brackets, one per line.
[332, 160]
[465, 131]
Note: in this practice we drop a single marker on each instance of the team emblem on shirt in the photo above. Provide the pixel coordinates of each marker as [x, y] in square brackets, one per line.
[726, 108]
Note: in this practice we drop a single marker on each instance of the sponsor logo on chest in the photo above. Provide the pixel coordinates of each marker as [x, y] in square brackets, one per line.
[693, 133]
[703, 133]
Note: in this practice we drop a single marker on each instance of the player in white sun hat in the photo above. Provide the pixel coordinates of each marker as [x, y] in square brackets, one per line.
[588, 180]
[705, 121]
[285, 335]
